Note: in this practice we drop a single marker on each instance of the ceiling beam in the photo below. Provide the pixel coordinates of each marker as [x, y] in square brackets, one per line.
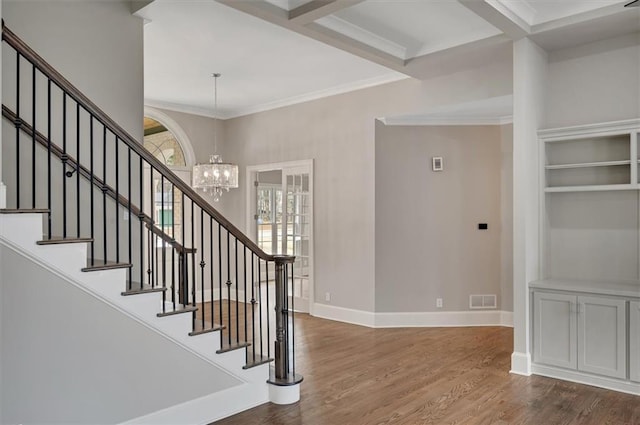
[477, 53]
[278, 16]
[500, 17]
[317, 9]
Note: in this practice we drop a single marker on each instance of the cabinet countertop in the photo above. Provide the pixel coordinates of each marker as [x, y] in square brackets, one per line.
[625, 288]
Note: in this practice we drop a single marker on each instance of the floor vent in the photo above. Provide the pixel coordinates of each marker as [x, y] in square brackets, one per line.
[482, 301]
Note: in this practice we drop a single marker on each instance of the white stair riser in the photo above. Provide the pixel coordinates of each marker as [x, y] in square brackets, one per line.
[21, 229]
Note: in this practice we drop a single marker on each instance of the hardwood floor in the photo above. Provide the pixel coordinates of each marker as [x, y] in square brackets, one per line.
[356, 375]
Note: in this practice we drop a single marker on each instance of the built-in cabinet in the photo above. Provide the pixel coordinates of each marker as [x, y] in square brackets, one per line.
[584, 333]
[585, 316]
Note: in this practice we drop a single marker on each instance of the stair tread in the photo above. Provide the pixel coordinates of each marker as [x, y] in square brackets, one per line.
[226, 347]
[198, 329]
[178, 310]
[105, 265]
[24, 211]
[256, 361]
[55, 240]
[135, 288]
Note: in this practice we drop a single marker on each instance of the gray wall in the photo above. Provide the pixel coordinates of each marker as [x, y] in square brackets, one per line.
[70, 358]
[96, 45]
[339, 134]
[428, 244]
[593, 83]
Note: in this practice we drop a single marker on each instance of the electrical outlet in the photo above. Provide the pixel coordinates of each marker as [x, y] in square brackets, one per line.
[125, 215]
[327, 296]
[439, 302]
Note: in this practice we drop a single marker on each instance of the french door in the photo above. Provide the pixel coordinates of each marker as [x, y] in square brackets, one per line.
[282, 198]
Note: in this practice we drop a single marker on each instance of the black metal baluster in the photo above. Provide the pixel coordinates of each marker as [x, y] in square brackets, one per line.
[220, 279]
[211, 283]
[117, 161]
[267, 308]
[253, 305]
[293, 321]
[229, 287]
[18, 124]
[91, 187]
[237, 294]
[202, 264]
[48, 159]
[149, 259]
[173, 246]
[164, 244]
[104, 192]
[193, 257]
[141, 218]
[77, 167]
[33, 136]
[156, 268]
[260, 307]
[285, 313]
[130, 241]
[64, 164]
[183, 259]
[151, 225]
[246, 334]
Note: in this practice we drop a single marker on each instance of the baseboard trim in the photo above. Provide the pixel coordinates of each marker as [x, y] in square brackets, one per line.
[520, 363]
[229, 402]
[346, 315]
[414, 319]
[440, 319]
[3, 196]
[586, 379]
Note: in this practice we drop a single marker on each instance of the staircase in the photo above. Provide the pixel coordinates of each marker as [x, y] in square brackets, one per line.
[78, 221]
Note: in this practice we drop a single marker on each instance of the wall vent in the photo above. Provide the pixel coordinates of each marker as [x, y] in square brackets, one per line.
[482, 301]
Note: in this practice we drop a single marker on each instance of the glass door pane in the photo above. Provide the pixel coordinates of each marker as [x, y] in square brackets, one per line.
[298, 233]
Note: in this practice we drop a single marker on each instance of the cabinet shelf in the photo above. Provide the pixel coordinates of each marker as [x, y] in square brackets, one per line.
[588, 164]
[591, 188]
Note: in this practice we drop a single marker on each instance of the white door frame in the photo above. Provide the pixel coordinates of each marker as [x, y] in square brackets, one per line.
[252, 171]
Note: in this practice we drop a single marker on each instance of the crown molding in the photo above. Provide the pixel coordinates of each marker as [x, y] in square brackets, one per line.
[235, 113]
[522, 9]
[362, 35]
[450, 120]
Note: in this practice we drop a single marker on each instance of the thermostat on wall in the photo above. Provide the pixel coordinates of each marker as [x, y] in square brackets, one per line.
[436, 163]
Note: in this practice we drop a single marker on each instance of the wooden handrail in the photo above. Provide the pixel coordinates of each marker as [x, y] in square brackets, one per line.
[84, 172]
[43, 66]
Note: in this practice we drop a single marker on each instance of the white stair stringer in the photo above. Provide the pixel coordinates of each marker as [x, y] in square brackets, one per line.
[20, 232]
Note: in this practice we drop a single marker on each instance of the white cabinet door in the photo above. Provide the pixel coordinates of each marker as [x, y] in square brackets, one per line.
[634, 335]
[554, 329]
[602, 332]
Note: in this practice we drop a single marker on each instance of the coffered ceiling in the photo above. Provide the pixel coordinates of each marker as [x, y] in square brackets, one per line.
[277, 52]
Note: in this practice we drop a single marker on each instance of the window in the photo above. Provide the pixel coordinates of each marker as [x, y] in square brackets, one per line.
[167, 202]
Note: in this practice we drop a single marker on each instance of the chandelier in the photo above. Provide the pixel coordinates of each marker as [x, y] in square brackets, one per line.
[217, 176]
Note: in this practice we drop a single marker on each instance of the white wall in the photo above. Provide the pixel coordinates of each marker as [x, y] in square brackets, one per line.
[596, 82]
[506, 214]
[428, 244]
[96, 45]
[70, 358]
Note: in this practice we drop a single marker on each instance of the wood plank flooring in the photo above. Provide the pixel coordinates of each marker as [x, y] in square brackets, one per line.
[356, 375]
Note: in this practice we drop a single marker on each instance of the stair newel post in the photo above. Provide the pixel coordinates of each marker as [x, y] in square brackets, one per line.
[285, 384]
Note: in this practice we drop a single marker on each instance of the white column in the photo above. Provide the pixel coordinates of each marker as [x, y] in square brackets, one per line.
[529, 86]
[3, 188]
